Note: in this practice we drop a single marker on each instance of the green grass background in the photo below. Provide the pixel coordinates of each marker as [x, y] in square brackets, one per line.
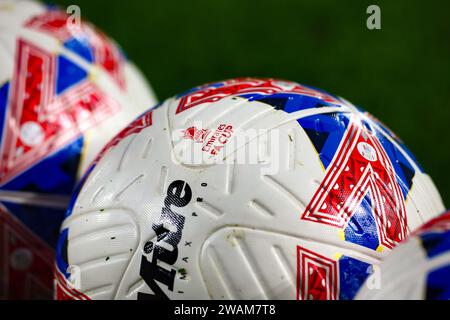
[400, 73]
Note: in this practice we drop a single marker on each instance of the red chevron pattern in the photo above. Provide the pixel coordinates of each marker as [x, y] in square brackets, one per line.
[360, 166]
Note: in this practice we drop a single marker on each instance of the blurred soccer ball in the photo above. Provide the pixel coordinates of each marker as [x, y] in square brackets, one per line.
[65, 90]
[246, 188]
[417, 269]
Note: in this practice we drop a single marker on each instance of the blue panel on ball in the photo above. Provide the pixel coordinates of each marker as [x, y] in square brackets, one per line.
[436, 242]
[352, 274]
[362, 228]
[68, 74]
[288, 102]
[61, 253]
[3, 104]
[325, 132]
[55, 174]
[438, 284]
[80, 46]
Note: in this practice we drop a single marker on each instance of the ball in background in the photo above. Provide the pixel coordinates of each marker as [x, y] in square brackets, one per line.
[417, 269]
[153, 220]
[64, 92]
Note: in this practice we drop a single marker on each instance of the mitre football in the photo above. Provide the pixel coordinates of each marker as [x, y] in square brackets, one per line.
[242, 189]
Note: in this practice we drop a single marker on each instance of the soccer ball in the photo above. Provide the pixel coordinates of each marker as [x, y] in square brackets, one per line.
[242, 189]
[415, 270]
[65, 91]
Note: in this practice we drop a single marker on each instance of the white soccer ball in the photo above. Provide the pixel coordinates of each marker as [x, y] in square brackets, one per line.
[417, 269]
[65, 90]
[242, 189]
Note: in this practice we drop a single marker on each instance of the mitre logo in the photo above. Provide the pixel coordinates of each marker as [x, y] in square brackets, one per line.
[197, 135]
[164, 248]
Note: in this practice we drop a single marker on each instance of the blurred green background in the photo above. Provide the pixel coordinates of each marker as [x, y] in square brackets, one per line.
[400, 73]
